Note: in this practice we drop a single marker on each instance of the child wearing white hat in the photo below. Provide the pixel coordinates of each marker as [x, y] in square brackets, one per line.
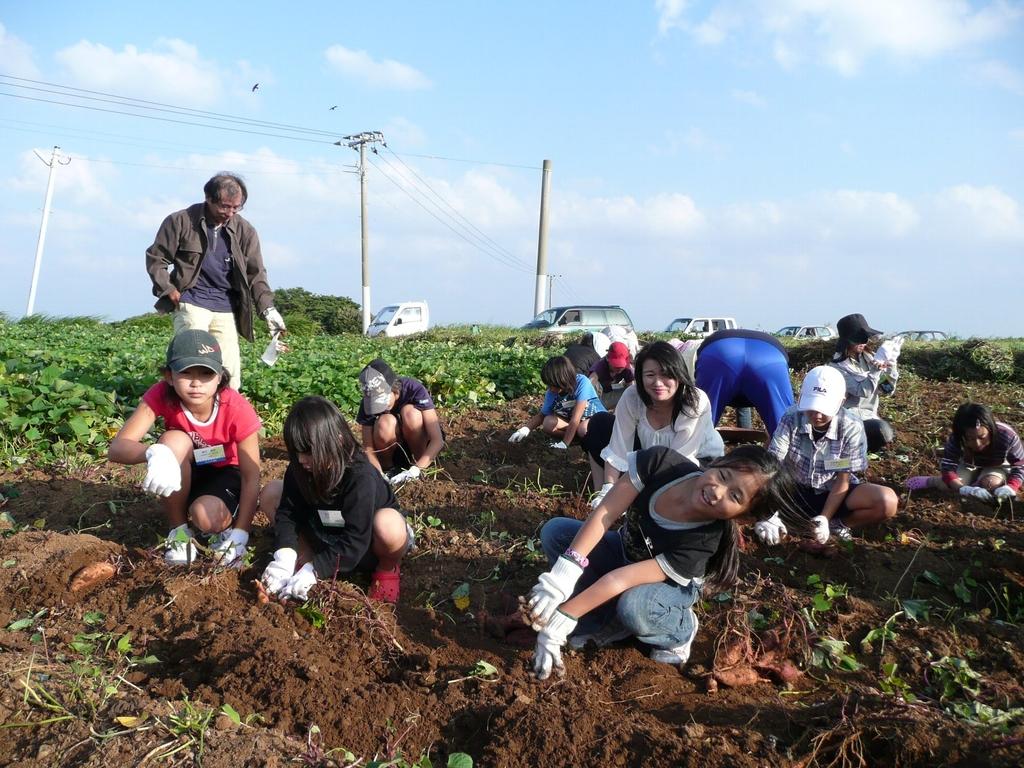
[824, 447]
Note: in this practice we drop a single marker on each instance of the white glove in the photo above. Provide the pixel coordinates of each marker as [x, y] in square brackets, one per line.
[229, 547]
[547, 654]
[551, 590]
[1004, 492]
[280, 571]
[599, 496]
[973, 491]
[889, 352]
[412, 473]
[519, 434]
[819, 528]
[179, 549]
[560, 446]
[770, 531]
[300, 584]
[163, 471]
[275, 323]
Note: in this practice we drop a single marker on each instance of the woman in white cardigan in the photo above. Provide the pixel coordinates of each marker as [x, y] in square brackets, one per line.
[664, 407]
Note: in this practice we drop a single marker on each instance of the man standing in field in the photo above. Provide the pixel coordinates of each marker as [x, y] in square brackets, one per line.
[207, 270]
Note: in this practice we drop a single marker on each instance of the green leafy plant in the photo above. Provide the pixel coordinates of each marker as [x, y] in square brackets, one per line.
[953, 677]
[893, 684]
[825, 594]
[482, 670]
[313, 614]
[830, 653]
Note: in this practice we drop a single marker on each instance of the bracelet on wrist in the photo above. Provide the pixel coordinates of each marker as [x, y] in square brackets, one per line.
[576, 557]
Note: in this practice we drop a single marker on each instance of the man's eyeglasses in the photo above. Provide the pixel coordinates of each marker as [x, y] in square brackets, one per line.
[225, 207]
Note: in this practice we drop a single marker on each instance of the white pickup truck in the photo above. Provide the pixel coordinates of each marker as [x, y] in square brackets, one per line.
[700, 327]
[403, 319]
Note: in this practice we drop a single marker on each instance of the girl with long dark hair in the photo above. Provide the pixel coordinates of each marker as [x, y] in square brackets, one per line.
[334, 512]
[643, 579]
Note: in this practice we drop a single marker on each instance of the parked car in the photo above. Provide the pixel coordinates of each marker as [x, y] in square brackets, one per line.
[403, 319]
[921, 335]
[807, 332]
[700, 327]
[580, 318]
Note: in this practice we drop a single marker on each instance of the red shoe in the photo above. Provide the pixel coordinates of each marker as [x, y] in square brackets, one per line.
[384, 586]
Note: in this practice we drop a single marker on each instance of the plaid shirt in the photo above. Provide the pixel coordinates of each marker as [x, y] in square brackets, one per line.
[815, 464]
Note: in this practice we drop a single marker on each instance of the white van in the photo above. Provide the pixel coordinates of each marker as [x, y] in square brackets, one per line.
[700, 327]
[403, 319]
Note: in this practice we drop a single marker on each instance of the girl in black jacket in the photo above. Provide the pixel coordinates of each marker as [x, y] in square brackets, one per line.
[334, 512]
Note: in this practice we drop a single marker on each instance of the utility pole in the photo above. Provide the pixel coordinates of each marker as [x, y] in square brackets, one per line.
[539, 303]
[55, 160]
[360, 140]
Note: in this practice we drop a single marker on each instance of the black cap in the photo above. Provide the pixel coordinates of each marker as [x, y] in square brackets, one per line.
[855, 329]
[375, 382]
[194, 347]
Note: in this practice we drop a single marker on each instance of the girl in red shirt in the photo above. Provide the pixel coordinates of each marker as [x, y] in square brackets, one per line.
[206, 464]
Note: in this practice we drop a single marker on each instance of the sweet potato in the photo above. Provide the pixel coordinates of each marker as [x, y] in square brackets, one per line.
[91, 575]
[737, 677]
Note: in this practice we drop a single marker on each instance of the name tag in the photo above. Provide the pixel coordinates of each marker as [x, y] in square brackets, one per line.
[209, 455]
[837, 464]
[332, 517]
[618, 385]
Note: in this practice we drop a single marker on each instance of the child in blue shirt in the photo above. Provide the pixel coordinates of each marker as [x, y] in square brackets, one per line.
[568, 405]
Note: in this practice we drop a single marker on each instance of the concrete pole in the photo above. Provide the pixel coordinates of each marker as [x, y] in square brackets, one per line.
[365, 237]
[539, 298]
[42, 233]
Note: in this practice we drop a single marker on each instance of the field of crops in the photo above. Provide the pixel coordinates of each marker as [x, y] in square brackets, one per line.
[904, 648]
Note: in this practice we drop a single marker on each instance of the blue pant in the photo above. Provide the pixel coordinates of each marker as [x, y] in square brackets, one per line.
[741, 371]
[660, 614]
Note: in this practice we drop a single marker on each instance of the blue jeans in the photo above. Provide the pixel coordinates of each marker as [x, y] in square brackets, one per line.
[659, 614]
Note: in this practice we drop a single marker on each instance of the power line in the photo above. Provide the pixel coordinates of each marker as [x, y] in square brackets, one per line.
[166, 119]
[499, 252]
[496, 257]
[455, 210]
[476, 243]
[157, 106]
[474, 162]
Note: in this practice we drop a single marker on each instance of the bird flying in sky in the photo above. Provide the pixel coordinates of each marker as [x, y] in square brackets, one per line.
[333, 108]
[256, 86]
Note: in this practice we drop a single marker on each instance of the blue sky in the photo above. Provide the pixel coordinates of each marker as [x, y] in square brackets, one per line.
[782, 162]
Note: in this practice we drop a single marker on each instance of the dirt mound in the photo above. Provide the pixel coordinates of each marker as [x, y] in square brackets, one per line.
[809, 661]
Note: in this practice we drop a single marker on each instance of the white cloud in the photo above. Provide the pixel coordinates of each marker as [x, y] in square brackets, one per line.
[1003, 76]
[873, 251]
[400, 132]
[16, 56]
[172, 71]
[670, 15]
[845, 33]
[383, 73]
[750, 98]
[987, 212]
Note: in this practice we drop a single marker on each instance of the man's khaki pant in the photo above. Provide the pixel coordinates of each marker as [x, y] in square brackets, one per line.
[221, 325]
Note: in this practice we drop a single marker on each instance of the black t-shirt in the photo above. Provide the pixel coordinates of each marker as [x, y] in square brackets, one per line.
[343, 527]
[582, 357]
[682, 552]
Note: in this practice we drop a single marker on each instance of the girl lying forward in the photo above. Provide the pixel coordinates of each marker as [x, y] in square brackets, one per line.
[644, 578]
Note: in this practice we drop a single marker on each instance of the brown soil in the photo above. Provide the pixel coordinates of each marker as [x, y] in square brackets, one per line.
[386, 683]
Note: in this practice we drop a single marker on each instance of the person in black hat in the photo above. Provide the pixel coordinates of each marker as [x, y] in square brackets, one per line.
[206, 464]
[402, 434]
[864, 375]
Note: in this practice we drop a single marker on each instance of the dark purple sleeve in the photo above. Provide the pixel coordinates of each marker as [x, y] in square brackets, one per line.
[414, 393]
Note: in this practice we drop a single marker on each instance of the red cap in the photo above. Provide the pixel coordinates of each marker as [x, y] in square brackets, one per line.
[618, 355]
